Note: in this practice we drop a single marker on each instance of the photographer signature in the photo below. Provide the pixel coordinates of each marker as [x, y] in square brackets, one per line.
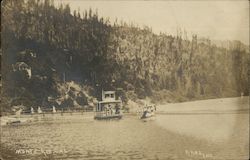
[40, 151]
[198, 154]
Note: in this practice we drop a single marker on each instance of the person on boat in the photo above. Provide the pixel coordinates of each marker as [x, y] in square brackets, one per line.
[109, 110]
[117, 109]
[152, 110]
[145, 112]
[106, 110]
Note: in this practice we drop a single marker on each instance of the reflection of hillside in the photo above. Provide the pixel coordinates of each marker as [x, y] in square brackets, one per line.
[59, 47]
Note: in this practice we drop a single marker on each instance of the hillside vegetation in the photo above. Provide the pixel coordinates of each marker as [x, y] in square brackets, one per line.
[53, 57]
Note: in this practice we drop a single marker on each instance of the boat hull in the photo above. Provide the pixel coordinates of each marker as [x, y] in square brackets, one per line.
[106, 117]
[147, 115]
[13, 122]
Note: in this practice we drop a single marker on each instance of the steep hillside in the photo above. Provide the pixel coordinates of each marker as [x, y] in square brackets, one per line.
[51, 56]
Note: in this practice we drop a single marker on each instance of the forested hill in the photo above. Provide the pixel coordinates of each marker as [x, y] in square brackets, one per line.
[53, 57]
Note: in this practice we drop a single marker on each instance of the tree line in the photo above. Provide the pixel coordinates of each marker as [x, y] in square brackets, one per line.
[59, 46]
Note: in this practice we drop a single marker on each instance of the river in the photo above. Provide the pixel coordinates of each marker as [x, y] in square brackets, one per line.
[169, 136]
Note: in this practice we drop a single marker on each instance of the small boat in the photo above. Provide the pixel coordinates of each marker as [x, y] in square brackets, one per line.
[13, 121]
[109, 107]
[148, 111]
[9, 120]
[16, 119]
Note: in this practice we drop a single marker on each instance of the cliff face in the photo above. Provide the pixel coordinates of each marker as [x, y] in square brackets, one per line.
[55, 48]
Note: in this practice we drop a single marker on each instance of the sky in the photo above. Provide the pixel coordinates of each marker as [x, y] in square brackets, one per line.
[215, 19]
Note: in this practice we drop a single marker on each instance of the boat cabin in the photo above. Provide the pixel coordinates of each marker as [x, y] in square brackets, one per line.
[108, 95]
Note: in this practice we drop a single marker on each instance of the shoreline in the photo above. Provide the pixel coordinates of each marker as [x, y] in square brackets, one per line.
[218, 105]
[237, 104]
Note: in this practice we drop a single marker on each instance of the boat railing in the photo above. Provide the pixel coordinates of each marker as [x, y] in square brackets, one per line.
[107, 113]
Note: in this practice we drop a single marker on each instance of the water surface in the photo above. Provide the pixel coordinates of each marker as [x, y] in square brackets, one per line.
[205, 136]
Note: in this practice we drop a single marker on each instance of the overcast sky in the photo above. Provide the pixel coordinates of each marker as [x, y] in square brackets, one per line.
[217, 19]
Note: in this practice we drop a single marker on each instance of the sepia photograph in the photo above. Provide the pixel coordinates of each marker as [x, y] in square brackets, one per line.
[124, 80]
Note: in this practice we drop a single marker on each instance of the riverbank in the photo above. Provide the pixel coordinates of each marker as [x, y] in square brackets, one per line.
[220, 105]
[210, 105]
